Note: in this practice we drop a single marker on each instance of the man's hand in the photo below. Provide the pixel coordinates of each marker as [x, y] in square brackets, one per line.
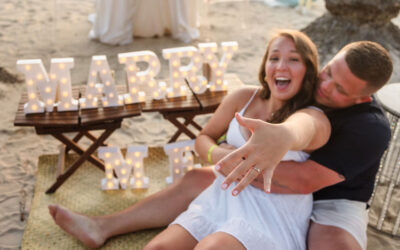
[261, 153]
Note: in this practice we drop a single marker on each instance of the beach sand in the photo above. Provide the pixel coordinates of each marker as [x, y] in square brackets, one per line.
[38, 29]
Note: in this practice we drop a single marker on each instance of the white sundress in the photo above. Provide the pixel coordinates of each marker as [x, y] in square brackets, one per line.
[258, 220]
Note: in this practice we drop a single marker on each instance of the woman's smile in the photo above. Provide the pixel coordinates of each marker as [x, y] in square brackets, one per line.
[282, 83]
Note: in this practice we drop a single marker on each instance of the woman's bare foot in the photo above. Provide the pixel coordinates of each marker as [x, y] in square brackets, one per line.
[81, 227]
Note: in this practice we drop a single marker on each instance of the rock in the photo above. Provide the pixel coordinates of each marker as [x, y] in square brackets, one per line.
[355, 20]
[377, 12]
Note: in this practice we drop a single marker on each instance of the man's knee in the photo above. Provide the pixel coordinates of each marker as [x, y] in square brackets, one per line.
[330, 238]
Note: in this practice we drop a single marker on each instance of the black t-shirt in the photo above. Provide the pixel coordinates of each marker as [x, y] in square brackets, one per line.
[360, 135]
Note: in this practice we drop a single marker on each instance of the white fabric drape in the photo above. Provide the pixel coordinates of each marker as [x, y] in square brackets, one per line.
[117, 21]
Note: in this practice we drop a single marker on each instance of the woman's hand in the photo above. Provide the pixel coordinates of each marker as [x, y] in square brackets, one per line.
[258, 183]
[306, 129]
[261, 153]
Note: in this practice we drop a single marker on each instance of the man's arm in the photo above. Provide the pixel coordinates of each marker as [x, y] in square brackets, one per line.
[302, 177]
[297, 177]
[306, 129]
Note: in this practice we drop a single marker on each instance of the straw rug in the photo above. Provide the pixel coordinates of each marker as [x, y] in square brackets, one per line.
[82, 193]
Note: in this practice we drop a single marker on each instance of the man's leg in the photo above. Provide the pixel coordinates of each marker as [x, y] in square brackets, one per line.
[157, 210]
[330, 238]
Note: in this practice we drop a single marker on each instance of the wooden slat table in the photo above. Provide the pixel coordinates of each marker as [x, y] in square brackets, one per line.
[82, 122]
[101, 114]
[173, 108]
[54, 119]
[208, 103]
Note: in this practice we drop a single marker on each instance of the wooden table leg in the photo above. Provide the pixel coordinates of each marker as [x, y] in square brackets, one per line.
[80, 135]
[179, 132]
[75, 139]
[92, 137]
[182, 128]
[194, 124]
[74, 146]
[85, 156]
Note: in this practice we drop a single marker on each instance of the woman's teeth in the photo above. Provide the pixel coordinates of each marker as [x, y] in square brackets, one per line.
[282, 81]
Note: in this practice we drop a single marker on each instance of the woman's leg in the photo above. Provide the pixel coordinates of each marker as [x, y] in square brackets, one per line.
[157, 210]
[174, 237]
[219, 240]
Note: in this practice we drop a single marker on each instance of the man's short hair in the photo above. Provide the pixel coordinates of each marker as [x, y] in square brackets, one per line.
[370, 62]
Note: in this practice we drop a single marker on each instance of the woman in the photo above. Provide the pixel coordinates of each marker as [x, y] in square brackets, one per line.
[288, 75]
[253, 220]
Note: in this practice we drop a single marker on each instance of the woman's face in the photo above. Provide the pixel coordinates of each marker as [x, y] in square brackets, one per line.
[284, 69]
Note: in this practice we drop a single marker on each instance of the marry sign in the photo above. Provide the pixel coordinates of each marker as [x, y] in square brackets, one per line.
[48, 90]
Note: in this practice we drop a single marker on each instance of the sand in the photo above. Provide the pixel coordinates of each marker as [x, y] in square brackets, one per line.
[38, 29]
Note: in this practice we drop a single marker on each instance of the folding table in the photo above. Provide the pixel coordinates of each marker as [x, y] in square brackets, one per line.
[192, 106]
[84, 121]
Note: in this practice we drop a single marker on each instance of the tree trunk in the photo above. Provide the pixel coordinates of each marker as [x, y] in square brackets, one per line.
[354, 20]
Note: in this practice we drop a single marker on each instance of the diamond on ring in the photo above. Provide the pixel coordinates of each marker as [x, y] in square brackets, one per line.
[257, 169]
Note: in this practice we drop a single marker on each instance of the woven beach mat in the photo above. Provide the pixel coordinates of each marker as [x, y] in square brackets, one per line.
[82, 193]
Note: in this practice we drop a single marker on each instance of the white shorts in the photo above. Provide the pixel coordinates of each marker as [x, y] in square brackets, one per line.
[349, 215]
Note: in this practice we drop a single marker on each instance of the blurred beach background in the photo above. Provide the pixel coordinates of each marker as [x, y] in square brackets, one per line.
[36, 29]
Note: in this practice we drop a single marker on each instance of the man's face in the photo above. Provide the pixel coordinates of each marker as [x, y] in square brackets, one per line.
[338, 87]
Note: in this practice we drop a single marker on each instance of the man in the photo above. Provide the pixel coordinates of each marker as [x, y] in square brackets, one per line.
[350, 159]
[349, 162]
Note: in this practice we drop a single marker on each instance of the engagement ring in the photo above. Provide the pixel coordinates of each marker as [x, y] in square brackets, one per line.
[257, 169]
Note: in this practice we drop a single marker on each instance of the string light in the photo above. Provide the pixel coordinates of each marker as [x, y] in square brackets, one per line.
[38, 80]
[217, 67]
[111, 98]
[180, 159]
[141, 83]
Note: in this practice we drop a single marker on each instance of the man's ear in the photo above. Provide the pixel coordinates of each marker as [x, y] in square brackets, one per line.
[364, 99]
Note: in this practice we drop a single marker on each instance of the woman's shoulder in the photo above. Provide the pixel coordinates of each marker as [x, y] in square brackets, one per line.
[244, 92]
[239, 97]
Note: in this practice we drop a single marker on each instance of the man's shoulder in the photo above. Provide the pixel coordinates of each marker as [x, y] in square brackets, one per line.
[365, 123]
[363, 114]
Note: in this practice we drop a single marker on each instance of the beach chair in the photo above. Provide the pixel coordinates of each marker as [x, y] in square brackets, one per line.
[385, 201]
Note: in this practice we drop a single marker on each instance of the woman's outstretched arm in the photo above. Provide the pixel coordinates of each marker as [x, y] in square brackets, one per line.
[307, 129]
